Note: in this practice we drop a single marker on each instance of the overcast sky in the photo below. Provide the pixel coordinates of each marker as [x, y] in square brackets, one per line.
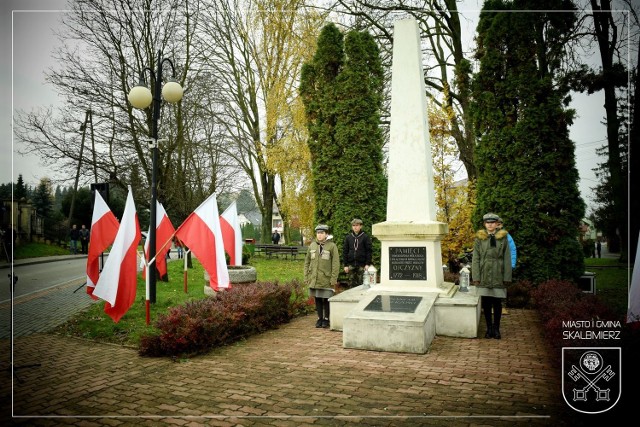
[27, 42]
[27, 39]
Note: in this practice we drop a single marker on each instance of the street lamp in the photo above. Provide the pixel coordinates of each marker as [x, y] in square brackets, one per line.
[140, 97]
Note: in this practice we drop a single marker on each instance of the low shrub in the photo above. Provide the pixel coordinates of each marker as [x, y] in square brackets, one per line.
[299, 304]
[246, 254]
[519, 294]
[561, 302]
[239, 312]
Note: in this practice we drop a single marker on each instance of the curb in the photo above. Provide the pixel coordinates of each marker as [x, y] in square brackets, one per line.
[43, 260]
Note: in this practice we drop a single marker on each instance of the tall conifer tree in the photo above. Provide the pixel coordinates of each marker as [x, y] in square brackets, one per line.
[318, 92]
[526, 163]
[342, 91]
[20, 190]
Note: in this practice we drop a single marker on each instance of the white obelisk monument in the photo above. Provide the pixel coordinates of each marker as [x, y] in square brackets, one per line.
[411, 252]
[412, 302]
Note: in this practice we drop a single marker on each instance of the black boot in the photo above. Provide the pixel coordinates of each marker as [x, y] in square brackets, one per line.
[496, 332]
[486, 308]
[319, 307]
[489, 333]
[325, 321]
[497, 315]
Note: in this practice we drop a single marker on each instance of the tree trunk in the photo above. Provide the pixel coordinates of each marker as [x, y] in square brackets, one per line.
[606, 29]
[634, 166]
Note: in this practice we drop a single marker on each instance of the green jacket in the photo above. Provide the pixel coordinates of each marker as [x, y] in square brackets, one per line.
[491, 265]
[321, 270]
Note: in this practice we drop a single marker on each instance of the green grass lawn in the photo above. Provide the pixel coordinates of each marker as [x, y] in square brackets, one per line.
[96, 325]
[281, 270]
[611, 287]
[36, 250]
[612, 282]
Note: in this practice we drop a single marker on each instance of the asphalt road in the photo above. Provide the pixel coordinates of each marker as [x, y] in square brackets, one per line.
[38, 277]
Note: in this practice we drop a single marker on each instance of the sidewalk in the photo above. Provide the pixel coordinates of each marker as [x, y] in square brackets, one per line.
[43, 310]
[296, 375]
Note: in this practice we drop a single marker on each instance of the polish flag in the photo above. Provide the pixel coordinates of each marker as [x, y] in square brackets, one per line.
[231, 234]
[201, 233]
[118, 281]
[104, 227]
[164, 234]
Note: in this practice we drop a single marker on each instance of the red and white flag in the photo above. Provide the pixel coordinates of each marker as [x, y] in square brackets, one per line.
[118, 281]
[164, 235]
[104, 227]
[201, 233]
[231, 234]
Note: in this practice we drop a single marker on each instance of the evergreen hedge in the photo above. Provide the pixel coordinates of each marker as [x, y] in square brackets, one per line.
[526, 164]
[342, 93]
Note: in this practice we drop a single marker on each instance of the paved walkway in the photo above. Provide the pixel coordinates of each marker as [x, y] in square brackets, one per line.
[296, 375]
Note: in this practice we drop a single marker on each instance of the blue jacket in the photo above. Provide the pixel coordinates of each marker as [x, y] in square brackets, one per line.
[514, 252]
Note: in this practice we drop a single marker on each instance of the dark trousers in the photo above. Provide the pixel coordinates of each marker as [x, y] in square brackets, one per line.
[489, 304]
[354, 276]
[322, 308]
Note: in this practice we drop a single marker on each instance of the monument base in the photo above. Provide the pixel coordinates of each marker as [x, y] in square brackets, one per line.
[456, 315]
[402, 322]
[411, 256]
[444, 289]
[343, 304]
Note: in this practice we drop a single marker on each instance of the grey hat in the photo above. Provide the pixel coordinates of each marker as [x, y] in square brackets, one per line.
[490, 217]
[322, 227]
[356, 221]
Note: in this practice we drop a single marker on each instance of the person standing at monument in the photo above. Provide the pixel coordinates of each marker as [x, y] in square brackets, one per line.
[356, 253]
[491, 271]
[321, 268]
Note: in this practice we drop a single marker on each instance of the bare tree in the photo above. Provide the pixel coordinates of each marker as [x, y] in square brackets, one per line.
[614, 31]
[105, 46]
[253, 54]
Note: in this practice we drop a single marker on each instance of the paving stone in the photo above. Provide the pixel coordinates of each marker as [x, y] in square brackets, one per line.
[293, 376]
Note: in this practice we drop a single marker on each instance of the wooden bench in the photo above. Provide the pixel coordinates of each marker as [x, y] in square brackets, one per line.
[261, 248]
[270, 250]
[278, 250]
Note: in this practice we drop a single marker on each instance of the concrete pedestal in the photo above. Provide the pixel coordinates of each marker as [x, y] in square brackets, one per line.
[343, 304]
[391, 331]
[455, 316]
[412, 235]
[458, 316]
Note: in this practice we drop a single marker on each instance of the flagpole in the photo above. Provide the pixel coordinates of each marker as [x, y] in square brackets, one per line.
[185, 271]
[146, 299]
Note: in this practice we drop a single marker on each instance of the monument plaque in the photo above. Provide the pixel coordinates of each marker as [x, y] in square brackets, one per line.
[408, 263]
[394, 304]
